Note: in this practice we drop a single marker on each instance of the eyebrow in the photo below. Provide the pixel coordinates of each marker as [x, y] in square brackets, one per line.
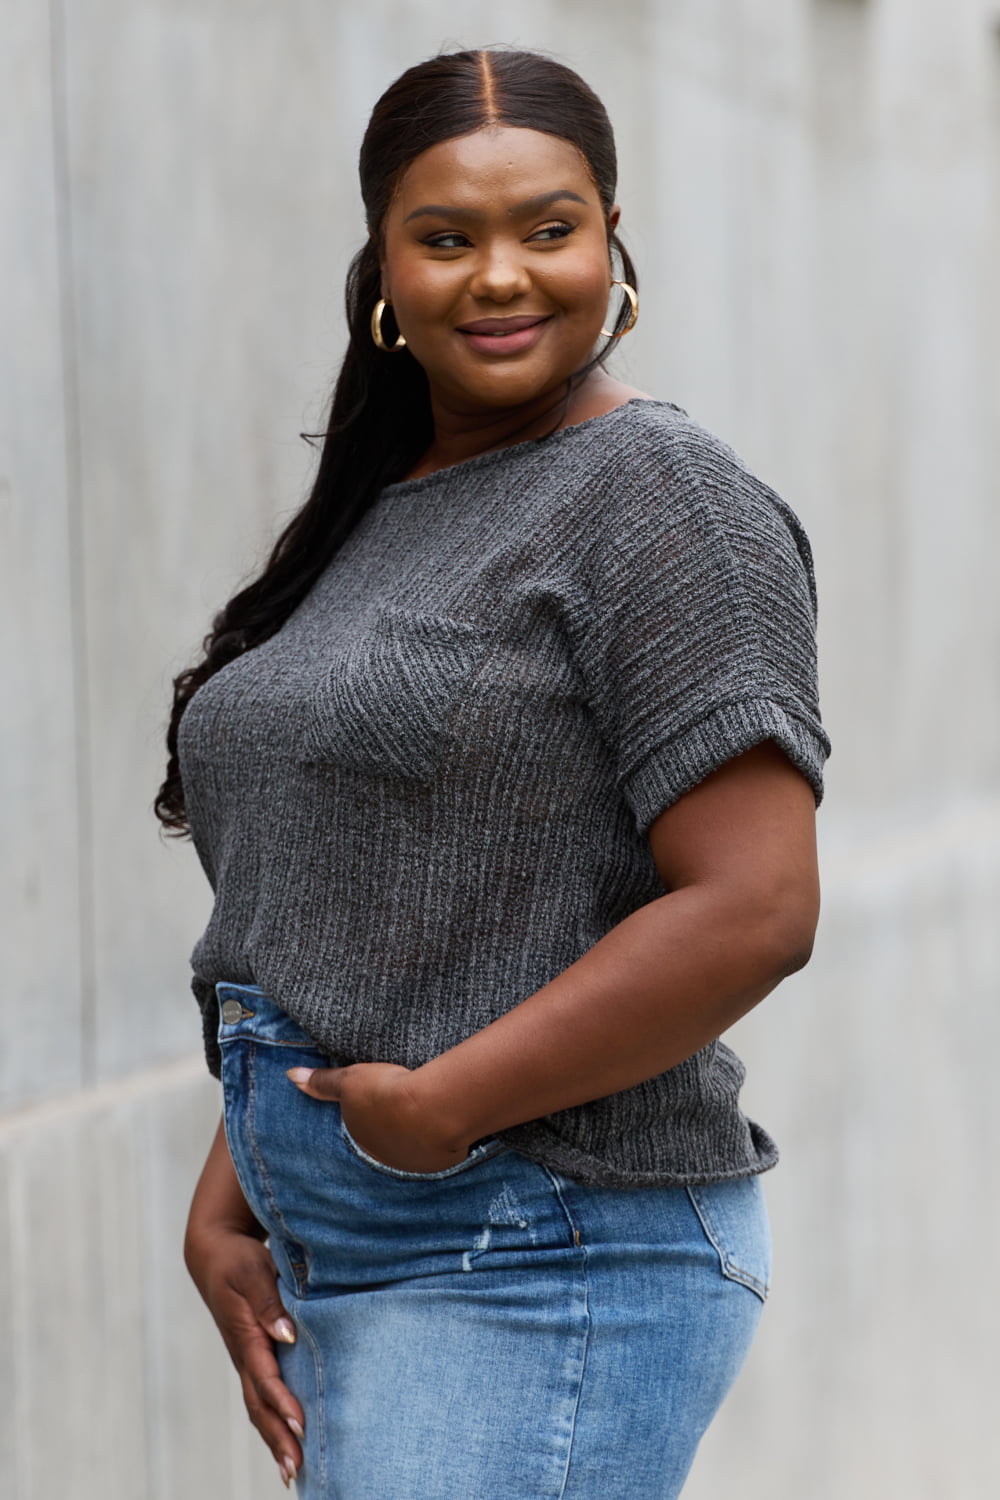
[530, 205]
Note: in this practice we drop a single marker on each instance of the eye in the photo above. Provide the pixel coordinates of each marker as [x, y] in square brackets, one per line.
[552, 232]
[451, 240]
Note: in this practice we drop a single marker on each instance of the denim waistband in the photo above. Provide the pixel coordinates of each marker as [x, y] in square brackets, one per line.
[245, 1011]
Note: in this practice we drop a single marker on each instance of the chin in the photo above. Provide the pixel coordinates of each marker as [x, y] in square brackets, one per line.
[511, 388]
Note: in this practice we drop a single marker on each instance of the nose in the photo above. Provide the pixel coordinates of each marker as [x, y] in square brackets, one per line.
[500, 274]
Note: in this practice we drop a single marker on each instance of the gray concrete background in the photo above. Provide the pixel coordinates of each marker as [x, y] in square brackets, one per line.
[810, 188]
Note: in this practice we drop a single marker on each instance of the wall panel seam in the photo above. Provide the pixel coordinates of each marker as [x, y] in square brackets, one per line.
[68, 1108]
[74, 517]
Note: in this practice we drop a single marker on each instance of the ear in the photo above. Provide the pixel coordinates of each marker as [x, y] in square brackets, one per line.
[614, 214]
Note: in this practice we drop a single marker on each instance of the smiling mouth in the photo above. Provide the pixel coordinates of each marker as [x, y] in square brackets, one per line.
[494, 337]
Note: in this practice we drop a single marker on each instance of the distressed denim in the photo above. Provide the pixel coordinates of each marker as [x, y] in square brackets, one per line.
[495, 1331]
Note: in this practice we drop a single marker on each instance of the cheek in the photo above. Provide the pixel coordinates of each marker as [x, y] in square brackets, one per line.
[584, 286]
[419, 296]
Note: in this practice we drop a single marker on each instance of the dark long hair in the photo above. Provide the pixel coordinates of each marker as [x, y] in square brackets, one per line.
[380, 416]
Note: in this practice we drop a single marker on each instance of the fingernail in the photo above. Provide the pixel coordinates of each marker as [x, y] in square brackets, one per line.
[288, 1471]
[284, 1476]
[300, 1075]
[296, 1428]
[285, 1331]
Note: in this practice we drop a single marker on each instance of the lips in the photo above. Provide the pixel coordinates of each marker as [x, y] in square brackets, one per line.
[502, 326]
[503, 336]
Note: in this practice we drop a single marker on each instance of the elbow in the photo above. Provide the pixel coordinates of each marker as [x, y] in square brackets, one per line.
[795, 954]
[783, 929]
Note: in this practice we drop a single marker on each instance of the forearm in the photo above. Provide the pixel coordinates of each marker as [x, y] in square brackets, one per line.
[218, 1201]
[662, 984]
[237, 1278]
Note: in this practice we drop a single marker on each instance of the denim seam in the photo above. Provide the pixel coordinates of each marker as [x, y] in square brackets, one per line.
[320, 1402]
[730, 1268]
[265, 1177]
[579, 1245]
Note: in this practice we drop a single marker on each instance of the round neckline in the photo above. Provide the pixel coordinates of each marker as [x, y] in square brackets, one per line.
[477, 460]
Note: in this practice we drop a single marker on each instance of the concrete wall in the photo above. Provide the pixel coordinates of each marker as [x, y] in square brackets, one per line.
[810, 189]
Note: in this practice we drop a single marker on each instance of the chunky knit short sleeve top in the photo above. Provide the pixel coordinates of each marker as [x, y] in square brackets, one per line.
[429, 792]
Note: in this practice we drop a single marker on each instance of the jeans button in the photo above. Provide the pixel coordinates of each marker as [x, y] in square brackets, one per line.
[233, 1012]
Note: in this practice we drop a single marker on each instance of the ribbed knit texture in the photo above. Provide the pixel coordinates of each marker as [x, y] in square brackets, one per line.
[428, 794]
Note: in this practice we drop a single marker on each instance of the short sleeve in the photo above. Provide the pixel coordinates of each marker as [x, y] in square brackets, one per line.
[699, 637]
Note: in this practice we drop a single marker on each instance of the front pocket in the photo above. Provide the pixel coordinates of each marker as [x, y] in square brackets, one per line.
[478, 1154]
[385, 707]
[263, 1117]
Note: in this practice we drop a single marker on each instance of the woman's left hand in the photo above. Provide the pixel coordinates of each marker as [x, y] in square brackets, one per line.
[383, 1115]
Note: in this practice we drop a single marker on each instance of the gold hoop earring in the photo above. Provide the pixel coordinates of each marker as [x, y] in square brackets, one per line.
[376, 326]
[630, 293]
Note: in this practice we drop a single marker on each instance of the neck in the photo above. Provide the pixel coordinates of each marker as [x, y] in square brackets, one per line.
[459, 434]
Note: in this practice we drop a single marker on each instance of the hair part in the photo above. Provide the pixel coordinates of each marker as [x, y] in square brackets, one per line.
[380, 419]
[490, 115]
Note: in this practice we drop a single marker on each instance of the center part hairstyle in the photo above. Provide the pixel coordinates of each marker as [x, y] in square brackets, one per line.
[380, 415]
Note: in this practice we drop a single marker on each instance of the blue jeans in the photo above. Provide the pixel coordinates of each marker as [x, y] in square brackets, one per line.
[495, 1331]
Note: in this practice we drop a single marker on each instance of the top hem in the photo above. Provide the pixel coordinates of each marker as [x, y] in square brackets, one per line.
[592, 1171]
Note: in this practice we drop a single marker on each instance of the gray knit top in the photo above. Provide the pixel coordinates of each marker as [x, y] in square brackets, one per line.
[428, 793]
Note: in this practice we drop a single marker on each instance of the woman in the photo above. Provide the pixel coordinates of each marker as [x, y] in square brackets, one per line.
[504, 773]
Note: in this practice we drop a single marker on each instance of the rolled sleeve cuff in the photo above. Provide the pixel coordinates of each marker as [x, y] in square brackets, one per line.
[674, 768]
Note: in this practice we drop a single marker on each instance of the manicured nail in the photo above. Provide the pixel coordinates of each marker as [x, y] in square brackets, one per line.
[288, 1470]
[300, 1075]
[285, 1331]
[296, 1428]
[284, 1476]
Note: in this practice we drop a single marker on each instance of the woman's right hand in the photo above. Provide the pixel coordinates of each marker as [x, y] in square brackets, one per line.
[235, 1274]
